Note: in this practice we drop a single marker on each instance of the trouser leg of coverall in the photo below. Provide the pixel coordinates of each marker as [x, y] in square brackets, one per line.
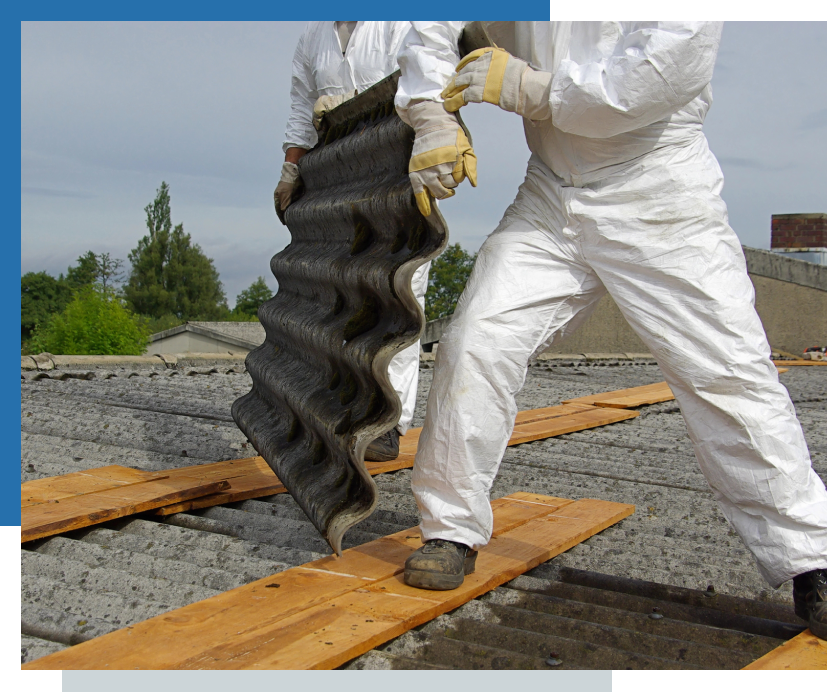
[403, 369]
[690, 300]
[660, 243]
[525, 286]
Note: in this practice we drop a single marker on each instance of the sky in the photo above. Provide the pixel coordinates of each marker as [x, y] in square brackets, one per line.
[110, 110]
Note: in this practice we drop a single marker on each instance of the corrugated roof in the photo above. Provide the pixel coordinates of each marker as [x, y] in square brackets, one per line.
[95, 580]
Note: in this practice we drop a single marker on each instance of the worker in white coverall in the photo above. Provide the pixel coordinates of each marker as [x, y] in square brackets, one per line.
[621, 195]
[333, 62]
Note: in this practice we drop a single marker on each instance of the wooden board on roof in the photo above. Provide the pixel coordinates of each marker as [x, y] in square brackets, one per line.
[324, 613]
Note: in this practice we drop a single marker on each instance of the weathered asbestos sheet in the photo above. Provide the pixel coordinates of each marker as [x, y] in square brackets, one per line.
[344, 308]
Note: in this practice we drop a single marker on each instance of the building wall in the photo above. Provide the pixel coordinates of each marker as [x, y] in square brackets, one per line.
[190, 342]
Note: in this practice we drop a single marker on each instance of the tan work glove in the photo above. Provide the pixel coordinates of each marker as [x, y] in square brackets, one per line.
[442, 156]
[495, 76]
[284, 190]
[325, 104]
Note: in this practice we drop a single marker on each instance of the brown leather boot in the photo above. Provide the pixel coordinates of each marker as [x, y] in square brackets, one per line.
[384, 448]
[439, 565]
[810, 599]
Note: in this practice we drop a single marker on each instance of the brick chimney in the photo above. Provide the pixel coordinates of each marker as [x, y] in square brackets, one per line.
[798, 231]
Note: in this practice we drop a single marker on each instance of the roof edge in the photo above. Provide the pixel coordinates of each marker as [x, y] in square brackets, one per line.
[48, 361]
[773, 265]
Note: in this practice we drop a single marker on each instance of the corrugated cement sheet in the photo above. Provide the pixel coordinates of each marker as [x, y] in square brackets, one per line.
[344, 308]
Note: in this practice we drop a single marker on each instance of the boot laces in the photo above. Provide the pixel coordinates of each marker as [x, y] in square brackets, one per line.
[438, 545]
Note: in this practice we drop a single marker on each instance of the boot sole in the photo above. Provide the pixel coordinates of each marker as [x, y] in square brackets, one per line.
[438, 581]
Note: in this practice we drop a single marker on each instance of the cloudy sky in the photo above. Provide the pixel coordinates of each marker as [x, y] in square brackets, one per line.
[109, 110]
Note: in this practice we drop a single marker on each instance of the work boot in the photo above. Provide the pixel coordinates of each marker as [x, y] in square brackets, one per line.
[384, 448]
[810, 599]
[439, 565]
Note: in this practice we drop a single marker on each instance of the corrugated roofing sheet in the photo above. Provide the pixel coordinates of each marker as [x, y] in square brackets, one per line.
[344, 308]
[95, 580]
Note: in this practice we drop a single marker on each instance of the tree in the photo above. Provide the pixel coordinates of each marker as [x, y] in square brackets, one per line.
[171, 275]
[85, 273]
[95, 322]
[449, 273]
[41, 296]
[250, 299]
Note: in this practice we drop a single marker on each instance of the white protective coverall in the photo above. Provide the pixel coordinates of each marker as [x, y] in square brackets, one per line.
[320, 69]
[621, 195]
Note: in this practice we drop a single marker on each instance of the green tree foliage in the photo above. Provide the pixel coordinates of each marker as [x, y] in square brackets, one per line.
[171, 275]
[95, 322]
[250, 299]
[85, 273]
[41, 296]
[449, 273]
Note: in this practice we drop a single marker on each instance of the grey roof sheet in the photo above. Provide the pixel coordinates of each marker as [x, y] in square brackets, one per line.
[95, 580]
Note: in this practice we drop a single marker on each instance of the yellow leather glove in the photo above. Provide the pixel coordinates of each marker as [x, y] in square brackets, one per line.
[495, 76]
[442, 156]
[283, 194]
[325, 104]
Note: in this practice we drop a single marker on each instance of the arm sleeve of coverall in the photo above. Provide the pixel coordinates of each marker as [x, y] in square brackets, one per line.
[656, 69]
[396, 42]
[300, 131]
[427, 62]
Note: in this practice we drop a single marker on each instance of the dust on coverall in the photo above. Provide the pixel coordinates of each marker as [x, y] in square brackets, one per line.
[621, 195]
[320, 69]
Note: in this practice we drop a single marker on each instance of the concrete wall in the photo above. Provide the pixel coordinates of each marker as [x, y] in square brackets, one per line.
[794, 316]
[190, 342]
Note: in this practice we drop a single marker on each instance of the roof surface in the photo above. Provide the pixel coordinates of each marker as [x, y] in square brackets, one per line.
[93, 581]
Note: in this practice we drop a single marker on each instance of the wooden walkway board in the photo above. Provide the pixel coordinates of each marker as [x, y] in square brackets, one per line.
[803, 652]
[535, 424]
[800, 362]
[255, 478]
[324, 613]
[82, 483]
[628, 398]
[80, 510]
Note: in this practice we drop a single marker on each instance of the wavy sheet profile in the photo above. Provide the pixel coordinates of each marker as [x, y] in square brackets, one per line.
[343, 309]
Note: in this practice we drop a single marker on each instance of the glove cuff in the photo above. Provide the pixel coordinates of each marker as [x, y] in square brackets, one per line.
[535, 91]
[289, 172]
[429, 116]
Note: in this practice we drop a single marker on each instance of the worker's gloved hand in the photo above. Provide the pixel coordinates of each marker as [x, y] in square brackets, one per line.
[442, 156]
[495, 76]
[287, 185]
[325, 104]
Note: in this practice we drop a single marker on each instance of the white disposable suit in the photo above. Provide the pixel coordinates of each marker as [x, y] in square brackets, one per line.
[320, 69]
[621, 195]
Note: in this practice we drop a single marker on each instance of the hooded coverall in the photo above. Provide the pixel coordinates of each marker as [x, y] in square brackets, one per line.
[621, 195]
[321, 69]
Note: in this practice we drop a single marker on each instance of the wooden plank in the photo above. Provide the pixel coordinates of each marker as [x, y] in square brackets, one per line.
[590, 418]
[780, 370]
[326, 612]
[261, 481]
[803, 652]
[800, 362]
[82, 483]
[541, 414]
[248, 479]
[628, 398]
[78, 511]
[252, 478]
